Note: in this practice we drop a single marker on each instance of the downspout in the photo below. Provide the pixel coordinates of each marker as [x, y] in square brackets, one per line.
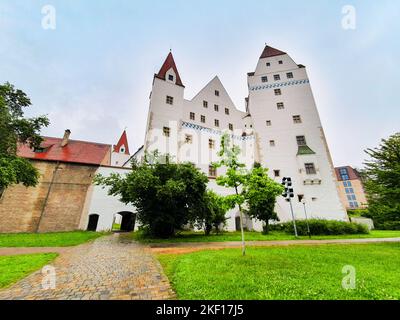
[47, 196]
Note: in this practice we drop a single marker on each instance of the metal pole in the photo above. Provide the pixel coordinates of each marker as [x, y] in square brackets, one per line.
[294, 221]
[308, 226]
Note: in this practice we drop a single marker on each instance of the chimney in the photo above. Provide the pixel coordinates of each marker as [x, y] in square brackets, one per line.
[65, 139]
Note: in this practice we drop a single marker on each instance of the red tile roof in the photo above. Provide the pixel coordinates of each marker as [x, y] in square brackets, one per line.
[168, 64]
[123, 141]
[271, 52]
[74, 152]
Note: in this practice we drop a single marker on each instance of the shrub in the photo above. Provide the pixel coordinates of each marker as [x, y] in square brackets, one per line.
[321, 227]
[388, 225]
[357, 212]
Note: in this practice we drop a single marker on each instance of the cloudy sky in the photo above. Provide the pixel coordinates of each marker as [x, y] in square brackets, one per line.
[93, 72]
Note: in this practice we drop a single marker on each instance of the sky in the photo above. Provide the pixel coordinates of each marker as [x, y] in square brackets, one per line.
[92, 74]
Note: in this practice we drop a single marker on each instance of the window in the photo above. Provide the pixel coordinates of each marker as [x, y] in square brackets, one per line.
[347, 190]
[227, 111]
[277, 77]
[216, 93]
[211, 143]
[269, 123]
[170, 77]
[203, 119]
[205, 104]
[297, 119]
[355, 204]
[212, 171]
[230, 126]
[349, 198]
[280, 105]
[268, 64]
[192, 116]
[278, 92]
[170, 100]
[166, 131]
[216, 123]
[272, 143]
[216, 107]
[280, 62]
[289, 75]
[301, 141]
[264, 79]
[351, 190]
[188, 139]
[310, 168]
[277, 173]
[353, 197]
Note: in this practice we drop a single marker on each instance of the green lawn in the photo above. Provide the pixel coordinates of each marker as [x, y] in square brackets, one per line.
[60, 239]
[256, 236]
[14, 268]
[279, 273]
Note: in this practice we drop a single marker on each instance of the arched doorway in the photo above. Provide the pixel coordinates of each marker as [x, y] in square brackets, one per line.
[93, 221]
[124, 221]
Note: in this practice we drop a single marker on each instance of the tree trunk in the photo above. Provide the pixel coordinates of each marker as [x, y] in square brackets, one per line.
[241, 226]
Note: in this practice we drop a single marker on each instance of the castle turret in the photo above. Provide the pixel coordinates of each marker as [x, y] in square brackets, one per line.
[120, 153]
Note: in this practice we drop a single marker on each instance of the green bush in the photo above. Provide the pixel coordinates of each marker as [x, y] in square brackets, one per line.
[388, 225]
[357, 212]
[321, 227]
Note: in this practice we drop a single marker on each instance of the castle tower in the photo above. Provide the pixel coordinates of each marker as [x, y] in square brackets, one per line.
[290, 136]
[120, 152]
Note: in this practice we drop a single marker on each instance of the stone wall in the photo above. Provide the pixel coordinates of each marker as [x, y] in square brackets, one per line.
[57, 202]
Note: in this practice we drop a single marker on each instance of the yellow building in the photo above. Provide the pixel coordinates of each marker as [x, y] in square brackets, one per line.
[351, 189]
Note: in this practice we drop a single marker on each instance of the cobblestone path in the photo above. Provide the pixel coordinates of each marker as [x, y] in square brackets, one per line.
[112, 267]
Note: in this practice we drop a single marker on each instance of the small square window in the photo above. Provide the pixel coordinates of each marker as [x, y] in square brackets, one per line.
[289, 75]
[297, 119]
[170, 77]
[277, 173]
[227, 111]
[272, 143]
[217, 93]
[277, 77]
[170, 100]
[301, 141]
[212, 171]
[280, 105]
[280, 62]
[166, 131]
[231, 126]
[205, 104]
[268, 64]
[216, 107]
[264, 79]
[211, 144]
[269, 123]
[310, 168]
[192, 116]
[278, 92]
[188, 139]
[203, 119]
[216, 123]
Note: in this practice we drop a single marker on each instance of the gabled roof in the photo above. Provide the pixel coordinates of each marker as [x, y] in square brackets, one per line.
[271, 52]
[123, 141]
[168, 64]
[74, 152]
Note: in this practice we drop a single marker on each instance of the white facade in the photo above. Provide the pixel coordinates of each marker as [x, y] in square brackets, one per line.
[287, 138]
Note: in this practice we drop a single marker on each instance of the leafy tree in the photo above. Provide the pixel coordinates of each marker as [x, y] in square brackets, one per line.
[382, 182]
[235, 177]
[166, 195]
[212, 215]
[260, 193]
[15, 129]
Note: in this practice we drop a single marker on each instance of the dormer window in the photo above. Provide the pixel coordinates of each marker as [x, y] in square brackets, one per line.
[122, 150]
[170, 77]
[216, 93]
[39, 150]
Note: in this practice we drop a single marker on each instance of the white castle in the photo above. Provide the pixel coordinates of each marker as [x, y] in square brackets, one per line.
[280, 129]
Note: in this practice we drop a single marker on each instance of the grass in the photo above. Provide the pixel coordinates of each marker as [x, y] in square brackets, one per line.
[59, 239]
[281, 273]
[14, 268]
[257, 236]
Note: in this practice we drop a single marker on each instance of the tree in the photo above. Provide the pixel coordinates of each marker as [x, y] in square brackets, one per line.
[235, 177]
[382, 182]
[166, 195]
[16, 129]
[212, 214]
[260, 193]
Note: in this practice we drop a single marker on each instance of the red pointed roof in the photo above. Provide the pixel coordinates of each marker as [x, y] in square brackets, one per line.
[123, 141]
[168, 64]
[271, 52]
